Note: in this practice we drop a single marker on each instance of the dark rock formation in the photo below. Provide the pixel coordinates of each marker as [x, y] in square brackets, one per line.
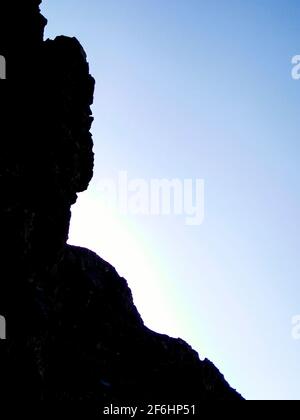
[73, 332]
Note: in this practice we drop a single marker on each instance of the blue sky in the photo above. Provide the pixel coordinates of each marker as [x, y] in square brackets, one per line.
[201, 89]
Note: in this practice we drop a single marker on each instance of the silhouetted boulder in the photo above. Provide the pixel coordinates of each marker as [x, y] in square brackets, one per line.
[73, 332]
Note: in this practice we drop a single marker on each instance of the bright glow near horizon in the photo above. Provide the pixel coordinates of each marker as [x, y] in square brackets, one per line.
[201, 89]
[116, 239]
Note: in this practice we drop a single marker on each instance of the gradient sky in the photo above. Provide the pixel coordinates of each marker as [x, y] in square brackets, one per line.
[201, 89]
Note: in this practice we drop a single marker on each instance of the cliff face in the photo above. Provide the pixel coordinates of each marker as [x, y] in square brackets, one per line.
[73, 332]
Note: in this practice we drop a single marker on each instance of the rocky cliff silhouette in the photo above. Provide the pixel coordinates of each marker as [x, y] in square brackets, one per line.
[73, 332]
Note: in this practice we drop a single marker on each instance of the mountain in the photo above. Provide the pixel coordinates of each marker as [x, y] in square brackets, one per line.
[73, 331]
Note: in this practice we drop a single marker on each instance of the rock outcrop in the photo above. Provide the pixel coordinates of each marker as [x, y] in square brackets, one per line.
[73, 332]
